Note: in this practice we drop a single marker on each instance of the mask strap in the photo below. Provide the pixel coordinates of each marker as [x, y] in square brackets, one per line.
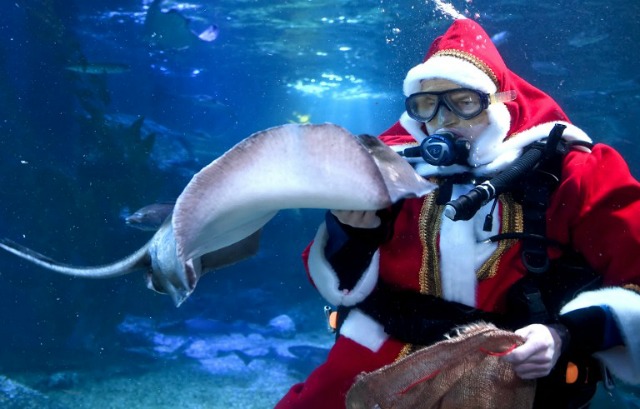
[504, 96]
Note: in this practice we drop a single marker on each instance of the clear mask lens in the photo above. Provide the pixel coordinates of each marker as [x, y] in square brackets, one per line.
[465, 103]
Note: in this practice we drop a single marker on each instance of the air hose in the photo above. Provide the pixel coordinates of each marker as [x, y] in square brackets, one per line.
[465, 206]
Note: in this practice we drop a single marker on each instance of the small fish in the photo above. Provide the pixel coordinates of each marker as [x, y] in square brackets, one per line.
[300, 118]
[617, 89]
[150, 217]
[583, 39]
[208, 101]
[550, 68]
[210, 34]
[98, 68]
[500, 38]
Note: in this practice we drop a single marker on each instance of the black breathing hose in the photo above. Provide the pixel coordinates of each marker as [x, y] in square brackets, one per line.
[464, 207]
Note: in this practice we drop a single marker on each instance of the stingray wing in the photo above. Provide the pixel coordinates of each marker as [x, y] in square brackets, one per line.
[289, 166]
[231, 254]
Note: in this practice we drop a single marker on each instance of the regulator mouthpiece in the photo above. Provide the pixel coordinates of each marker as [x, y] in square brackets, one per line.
[445, 149]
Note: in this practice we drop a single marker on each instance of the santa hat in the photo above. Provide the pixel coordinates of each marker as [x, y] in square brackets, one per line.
[466, 55]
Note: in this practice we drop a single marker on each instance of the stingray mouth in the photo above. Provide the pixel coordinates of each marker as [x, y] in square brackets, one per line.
[162, 284]
[153, 283]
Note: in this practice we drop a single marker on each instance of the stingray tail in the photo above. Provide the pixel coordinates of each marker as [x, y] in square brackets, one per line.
[135, 261]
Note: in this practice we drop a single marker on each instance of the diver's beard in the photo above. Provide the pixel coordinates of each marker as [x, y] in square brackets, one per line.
[487, 145]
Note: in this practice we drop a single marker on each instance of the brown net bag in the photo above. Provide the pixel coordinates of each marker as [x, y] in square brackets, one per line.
[464, 371]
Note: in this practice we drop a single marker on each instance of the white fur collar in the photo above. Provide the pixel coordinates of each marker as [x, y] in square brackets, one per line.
[490, 153]
[463, 251]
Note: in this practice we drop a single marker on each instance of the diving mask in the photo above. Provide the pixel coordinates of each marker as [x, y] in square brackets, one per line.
[466, 103]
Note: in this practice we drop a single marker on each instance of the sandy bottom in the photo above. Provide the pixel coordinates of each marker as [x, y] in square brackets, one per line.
[177, 384]
[184, 383]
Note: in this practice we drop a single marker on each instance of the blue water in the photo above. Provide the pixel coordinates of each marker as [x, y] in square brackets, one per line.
[74, 164]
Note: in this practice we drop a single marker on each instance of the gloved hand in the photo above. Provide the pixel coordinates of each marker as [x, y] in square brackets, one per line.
[539, 353]
[358, 219]
[354, 236]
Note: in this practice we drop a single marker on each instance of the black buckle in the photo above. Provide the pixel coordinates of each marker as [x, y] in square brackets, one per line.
[536, 261]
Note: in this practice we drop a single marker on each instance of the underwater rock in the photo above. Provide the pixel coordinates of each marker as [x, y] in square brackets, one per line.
[167, 344]
[225, 348]
[62, 380]
[137, 326]
[283, 326]
[307, 358]
[14, 395]
[230, 365]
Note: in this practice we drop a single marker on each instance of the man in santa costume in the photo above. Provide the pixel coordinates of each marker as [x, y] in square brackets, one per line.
[407, 275]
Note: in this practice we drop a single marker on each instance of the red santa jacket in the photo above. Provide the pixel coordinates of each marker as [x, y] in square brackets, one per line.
[594, 210]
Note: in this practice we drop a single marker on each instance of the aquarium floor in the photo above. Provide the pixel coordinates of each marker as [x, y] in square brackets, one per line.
[177, 384]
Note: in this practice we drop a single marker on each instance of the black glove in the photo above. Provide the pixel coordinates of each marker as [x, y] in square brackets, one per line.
[591, 329]
[349, 249]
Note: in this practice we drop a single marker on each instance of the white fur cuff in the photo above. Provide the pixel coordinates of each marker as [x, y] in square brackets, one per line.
[361, 328]
[326, 280]
[623, 362]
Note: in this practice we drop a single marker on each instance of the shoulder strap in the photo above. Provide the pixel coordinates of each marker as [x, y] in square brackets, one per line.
[536, 188]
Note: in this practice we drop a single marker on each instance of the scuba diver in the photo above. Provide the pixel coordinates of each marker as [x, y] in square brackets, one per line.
[547, 247]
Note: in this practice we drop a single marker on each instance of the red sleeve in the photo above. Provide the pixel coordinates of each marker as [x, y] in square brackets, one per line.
[596, 208]
[397, 135]
[305, 261]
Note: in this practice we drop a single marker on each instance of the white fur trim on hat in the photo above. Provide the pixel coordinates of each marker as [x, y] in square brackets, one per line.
[448, 68]
[326, 280]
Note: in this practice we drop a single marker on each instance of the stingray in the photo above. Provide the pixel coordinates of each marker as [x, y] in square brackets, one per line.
[170, 30]
[218, 218]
